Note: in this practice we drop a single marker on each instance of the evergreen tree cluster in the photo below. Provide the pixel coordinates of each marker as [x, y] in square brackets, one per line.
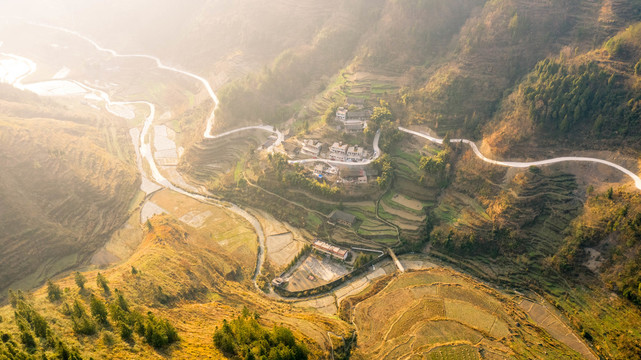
[36, 339]
[245, 338]
[566, 98]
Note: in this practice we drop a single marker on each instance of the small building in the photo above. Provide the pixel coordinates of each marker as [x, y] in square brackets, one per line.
[359, 115]
[362, 179]
[319, 169]
[354, 153]
[354, 126]
[332, 250]
[279, 282]
[338, 152]
[341, 217]
[341, 114]
[338, 148]
[352, 172]
[311, 147]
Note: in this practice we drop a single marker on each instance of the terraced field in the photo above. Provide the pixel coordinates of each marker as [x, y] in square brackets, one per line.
[370, 227]
[440, 314]
[213, 157]
[405, 212]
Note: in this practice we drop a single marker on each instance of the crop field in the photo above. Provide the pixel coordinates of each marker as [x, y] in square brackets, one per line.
[458, 208]
[214, 223]
[440, 314]
[410, 219]
[371, 227]
[214, 157]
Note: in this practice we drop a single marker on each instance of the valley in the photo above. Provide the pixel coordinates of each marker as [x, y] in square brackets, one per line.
[423, 248]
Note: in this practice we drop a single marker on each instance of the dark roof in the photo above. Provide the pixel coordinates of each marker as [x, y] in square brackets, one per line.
[359, 114]
[337, 215]
[354, 126]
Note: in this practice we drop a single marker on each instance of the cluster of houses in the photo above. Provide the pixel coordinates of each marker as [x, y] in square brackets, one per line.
[338, 151]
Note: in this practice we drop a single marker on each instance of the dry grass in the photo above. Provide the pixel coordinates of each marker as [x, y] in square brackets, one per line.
[447, 316]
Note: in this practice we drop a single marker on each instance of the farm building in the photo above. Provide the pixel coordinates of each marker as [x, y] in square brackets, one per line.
[341, 217]
[332, 250]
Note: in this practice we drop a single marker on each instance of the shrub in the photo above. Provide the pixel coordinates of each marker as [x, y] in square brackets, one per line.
[53, 291]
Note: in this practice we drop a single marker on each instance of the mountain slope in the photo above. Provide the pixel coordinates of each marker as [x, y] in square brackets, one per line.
[62, 192]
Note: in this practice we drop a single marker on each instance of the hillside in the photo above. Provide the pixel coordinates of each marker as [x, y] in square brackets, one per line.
[176, 274]
[595, 94]
[498, 259]
[66, 187]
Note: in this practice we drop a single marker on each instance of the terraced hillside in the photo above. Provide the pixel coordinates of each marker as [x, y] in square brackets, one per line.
[438, 314]
[209, 159]
[65, 187]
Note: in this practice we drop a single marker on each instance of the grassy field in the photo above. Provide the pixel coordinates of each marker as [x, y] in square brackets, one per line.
[212, 222]
[445, 315]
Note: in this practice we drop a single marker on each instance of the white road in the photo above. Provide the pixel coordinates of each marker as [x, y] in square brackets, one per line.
[518, 164]
[267, 128]
[145, 147]
[210, 119]
[18, 71]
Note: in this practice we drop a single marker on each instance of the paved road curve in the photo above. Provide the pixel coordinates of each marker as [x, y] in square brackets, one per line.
[518, 164]
[160, 65]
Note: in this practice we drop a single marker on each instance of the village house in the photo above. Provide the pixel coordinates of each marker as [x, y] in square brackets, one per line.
[341, 217]
[341, 114]
[354, 126]
[361, 115]
[332, 250]
[311, 147]
[354, 153]
[338, 151]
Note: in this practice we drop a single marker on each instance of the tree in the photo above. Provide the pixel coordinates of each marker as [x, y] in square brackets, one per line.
[80, 280]
[98, 310]
[126, 333]
[362, 259]
[609, 193]
[102, 282]
[53, 291]
[380, 115]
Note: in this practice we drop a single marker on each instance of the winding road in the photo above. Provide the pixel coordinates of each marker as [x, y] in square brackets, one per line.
[145, 147]
[146, 153]
[518, 164]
